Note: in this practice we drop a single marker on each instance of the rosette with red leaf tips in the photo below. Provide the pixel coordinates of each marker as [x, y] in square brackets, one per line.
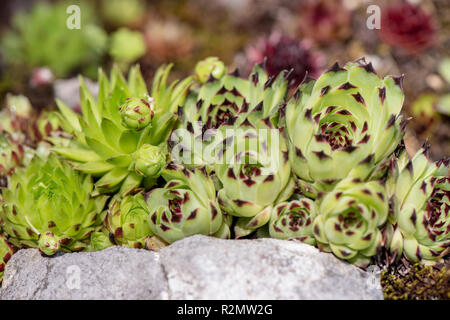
[421, 225]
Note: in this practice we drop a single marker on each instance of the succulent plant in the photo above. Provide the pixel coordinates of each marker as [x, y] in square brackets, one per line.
[17, 147]
[18, 105]
[136, 113]
[294, 220]
[350, 218]
[127, 220]
[124, 157]
[254, 173]
[11, 154]
[120, 13]
[41, 38]
[6, 251]
[346, 123]
[228, 101]
[424, 108]
[324, 21]
[210, 67]
[15, 118]
[443, 104]
[126, 46]
[49, 206]
[420, 225]
[24, 124]
[408, 26]
[284, 53]
[185, 206]
[99, 240]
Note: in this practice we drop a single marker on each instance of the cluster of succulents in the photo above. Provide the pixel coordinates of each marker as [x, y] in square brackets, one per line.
[230, 157]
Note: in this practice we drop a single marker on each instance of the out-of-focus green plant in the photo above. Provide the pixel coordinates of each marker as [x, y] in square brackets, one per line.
[424, 107]
[443, 104]
[429, 107]
[41, 37]
[123, 13]
[126, 46]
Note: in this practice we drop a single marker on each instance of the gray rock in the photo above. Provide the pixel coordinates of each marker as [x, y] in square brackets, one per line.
[114, 273]
[198, 267]
[206, 268]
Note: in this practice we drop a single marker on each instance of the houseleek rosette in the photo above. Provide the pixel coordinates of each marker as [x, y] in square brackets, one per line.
[223, 101]
[121, 137]
[345, 123]
[294, 220]
[127, 220]
[254, 174]
[6, 251]
[49, 206]
[185, 206]
[421, 223]
[350, 218]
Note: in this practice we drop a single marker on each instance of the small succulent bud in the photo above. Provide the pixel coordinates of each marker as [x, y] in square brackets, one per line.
[210, 66]
[149, 161]
[49, 244]
[136, 113]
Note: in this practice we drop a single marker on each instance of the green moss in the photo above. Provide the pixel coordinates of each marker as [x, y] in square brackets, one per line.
[419, 283]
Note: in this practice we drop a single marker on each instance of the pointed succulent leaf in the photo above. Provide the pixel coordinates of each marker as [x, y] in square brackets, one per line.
[137, 83]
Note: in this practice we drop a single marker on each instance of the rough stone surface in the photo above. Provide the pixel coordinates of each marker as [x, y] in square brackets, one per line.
[207, 268]
[114, 273]
[193, 268]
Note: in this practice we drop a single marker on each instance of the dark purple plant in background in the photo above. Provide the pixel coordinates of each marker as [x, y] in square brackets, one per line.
[409, 27]
[286, 53]
[324, 21]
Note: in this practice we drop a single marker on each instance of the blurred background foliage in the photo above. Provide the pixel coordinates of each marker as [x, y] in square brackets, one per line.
[37, 49]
